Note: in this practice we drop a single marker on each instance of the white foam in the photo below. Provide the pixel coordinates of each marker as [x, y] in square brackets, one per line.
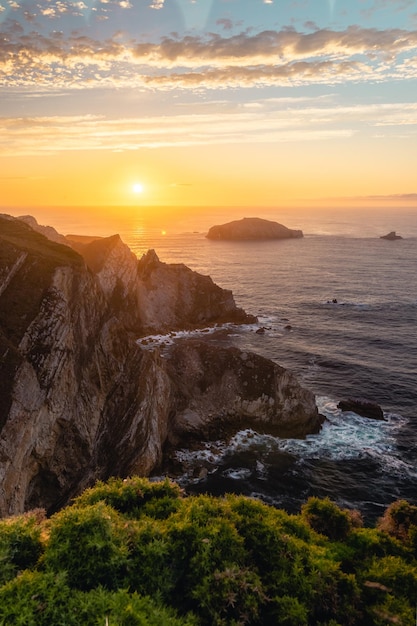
[240, 473]
[344, 436]
[149, 342]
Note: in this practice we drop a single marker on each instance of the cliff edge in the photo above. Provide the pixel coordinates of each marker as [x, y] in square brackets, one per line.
[81, 400]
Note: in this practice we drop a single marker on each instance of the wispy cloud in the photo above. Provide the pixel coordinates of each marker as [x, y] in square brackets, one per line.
[285, 57]
[271, 121]
[392, 5]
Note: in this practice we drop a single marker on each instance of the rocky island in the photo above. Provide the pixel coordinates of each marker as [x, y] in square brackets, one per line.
[392, 236]
[81, 399]
[252, 228]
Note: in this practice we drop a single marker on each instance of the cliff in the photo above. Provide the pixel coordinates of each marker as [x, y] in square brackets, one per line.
[252, 228]
[81, 400]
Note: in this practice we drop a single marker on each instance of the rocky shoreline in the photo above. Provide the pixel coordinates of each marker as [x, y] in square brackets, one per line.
[81, 399]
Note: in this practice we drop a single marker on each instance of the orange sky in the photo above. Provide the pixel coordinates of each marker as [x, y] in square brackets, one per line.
[207, 103]
[236, 175]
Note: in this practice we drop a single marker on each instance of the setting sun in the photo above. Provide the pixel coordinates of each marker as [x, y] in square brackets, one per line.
[137, 188]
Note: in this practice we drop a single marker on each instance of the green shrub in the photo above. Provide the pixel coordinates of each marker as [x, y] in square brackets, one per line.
[45, 599]
[212, 561]
[229, 596]
[134, 497]
[89, 544]
[133, 610]
[290, 524]
[203, 540]
[288, 611]
[327, 518]
[394, 574]
[151, 567]
[397, 520]
[20, 544]
[391, 610]
[367, 543]
[412, 539]
[37, 599]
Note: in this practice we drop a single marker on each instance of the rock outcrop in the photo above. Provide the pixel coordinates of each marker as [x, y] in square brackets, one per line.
[221, 390]
[252, 228]
[81, 400]
[392, 236]
[174, 296]
[365, 408]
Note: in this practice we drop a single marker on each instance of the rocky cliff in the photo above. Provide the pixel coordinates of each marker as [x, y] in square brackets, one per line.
[81, 400]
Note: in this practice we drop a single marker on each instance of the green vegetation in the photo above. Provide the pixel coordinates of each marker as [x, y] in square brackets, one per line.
[131, 552]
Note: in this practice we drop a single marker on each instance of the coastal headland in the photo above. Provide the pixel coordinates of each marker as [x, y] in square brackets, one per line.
[83, 399]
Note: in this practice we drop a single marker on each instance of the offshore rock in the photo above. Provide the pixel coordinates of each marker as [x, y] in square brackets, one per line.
[252, 228]
[392, 236]
[80, 400]
[365, 408]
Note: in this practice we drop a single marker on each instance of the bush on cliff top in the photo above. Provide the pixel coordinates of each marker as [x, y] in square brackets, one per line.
[135, 552]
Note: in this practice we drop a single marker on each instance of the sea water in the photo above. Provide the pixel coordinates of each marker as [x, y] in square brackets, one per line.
[339, 308]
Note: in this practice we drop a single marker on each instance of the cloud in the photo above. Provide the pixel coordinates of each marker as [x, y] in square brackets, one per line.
[380, 5]
[157, 4]
[225, 23]
[285, 57]
[408, 197]
[271, 122]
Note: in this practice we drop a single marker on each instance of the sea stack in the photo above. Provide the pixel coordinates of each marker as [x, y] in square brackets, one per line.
[392, 236]
[252, 228]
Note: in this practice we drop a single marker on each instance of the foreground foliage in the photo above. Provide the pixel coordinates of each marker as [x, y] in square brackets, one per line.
[131, 552]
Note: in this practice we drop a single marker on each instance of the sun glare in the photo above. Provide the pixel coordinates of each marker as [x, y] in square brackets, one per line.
[137, 187]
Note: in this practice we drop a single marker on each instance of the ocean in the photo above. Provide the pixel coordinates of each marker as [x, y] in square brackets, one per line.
[339, 308]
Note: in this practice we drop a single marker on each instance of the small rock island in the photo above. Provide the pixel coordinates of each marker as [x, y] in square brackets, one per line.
[252, 228]
[392, 236]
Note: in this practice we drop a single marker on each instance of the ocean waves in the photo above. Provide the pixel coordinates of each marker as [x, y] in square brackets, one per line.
[349, 454]
[364, 344]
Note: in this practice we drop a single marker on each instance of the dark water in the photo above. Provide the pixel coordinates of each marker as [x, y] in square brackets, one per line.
[364, 345]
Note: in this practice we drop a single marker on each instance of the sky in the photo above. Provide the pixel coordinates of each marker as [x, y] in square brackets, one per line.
[208, 103]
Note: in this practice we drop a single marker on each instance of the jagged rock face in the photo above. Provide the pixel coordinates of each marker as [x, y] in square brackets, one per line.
[80, 400]
[222, 389]
[116, 268]
[173, 296]
[252, 228]
[154, 297]
[111, 261]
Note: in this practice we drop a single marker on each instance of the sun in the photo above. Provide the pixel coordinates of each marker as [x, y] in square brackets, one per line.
[137, 188]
